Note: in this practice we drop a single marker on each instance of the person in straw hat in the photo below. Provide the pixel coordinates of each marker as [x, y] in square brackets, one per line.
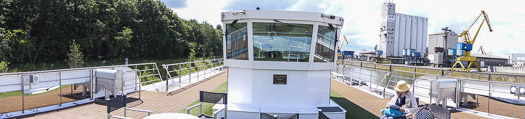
[403, 101]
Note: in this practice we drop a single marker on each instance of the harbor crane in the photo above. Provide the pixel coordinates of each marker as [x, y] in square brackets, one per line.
[339, 52]
[466, 45]
[482, 50]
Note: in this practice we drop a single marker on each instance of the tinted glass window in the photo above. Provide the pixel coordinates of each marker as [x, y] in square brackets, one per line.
[237, 41]
[325, 46]
[282, 42]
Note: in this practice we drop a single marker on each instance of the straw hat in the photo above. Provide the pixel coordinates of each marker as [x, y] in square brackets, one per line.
[402, 86]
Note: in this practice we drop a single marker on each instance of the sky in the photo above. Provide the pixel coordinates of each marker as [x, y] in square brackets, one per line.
[363, 17]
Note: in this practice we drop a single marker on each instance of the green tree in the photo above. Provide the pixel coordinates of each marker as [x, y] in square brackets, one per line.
[75, 56]
[34, 31]
[3, 67]
[121, 42]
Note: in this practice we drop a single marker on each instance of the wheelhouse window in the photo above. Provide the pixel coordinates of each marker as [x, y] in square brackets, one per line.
[282, 41]
[237, 41]
[325, 46]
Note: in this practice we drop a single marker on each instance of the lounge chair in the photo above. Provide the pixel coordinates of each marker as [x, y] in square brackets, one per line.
[210, 97]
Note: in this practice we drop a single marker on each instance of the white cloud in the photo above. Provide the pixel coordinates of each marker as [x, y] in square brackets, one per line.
[202, 10]
[363, 17]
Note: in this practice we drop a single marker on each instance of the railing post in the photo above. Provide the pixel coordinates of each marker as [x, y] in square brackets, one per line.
[415, 72]
[91, 83]
[180, 75]
[135, 81]
[360, 75]
[198, 70]
[431, 93]
[344, 76]
[189, 78]
[458, 91]
[205, 65]
[370, 81]
[60, 85]
[167, 78]
[22, 87]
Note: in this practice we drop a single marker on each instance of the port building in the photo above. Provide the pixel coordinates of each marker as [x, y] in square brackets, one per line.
[401, 31]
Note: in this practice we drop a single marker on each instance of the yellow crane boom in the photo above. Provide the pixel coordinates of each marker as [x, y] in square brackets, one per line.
[467, 44]
[339, 52]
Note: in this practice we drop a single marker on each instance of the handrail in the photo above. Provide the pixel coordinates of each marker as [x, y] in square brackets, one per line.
[355, 71]
[182, 70]
[73, 69]
[53, 78]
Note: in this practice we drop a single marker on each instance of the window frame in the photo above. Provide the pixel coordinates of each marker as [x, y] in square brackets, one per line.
[336, 41]
[314, 33]
[225, 35]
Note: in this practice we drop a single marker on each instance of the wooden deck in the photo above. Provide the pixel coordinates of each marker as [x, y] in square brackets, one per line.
[374, 104]
[158, 102]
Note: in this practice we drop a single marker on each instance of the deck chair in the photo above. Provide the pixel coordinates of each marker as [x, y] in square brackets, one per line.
[432, 112]
[120, 102]
[210, 97]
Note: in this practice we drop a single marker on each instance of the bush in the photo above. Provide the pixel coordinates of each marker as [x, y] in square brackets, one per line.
[75, 56]
[3, 67]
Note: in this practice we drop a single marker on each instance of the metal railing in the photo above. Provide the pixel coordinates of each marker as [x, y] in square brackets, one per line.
[465, 84]
[196, 68]
[13, 84]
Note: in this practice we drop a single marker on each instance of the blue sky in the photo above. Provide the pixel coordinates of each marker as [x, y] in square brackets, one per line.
[363, 17]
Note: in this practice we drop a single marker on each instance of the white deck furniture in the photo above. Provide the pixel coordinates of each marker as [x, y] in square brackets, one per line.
[110, 80]
[171, 116]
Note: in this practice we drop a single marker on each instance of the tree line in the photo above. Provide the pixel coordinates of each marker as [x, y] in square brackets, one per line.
[33, 31]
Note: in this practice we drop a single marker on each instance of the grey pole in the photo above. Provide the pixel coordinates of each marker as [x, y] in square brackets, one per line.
[22, 87]
[189, 79]
[60, 85]
[180, 75]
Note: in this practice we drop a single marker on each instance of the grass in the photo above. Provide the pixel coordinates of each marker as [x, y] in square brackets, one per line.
[353, 111]
[206, 107]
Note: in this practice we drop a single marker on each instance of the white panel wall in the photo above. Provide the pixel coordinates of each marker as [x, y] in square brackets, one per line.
[255, 88]
[402, 34]
[420, 35]
[413, 33]
[425, 33]
[408, 31]
[239, 86]
[396, 36]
